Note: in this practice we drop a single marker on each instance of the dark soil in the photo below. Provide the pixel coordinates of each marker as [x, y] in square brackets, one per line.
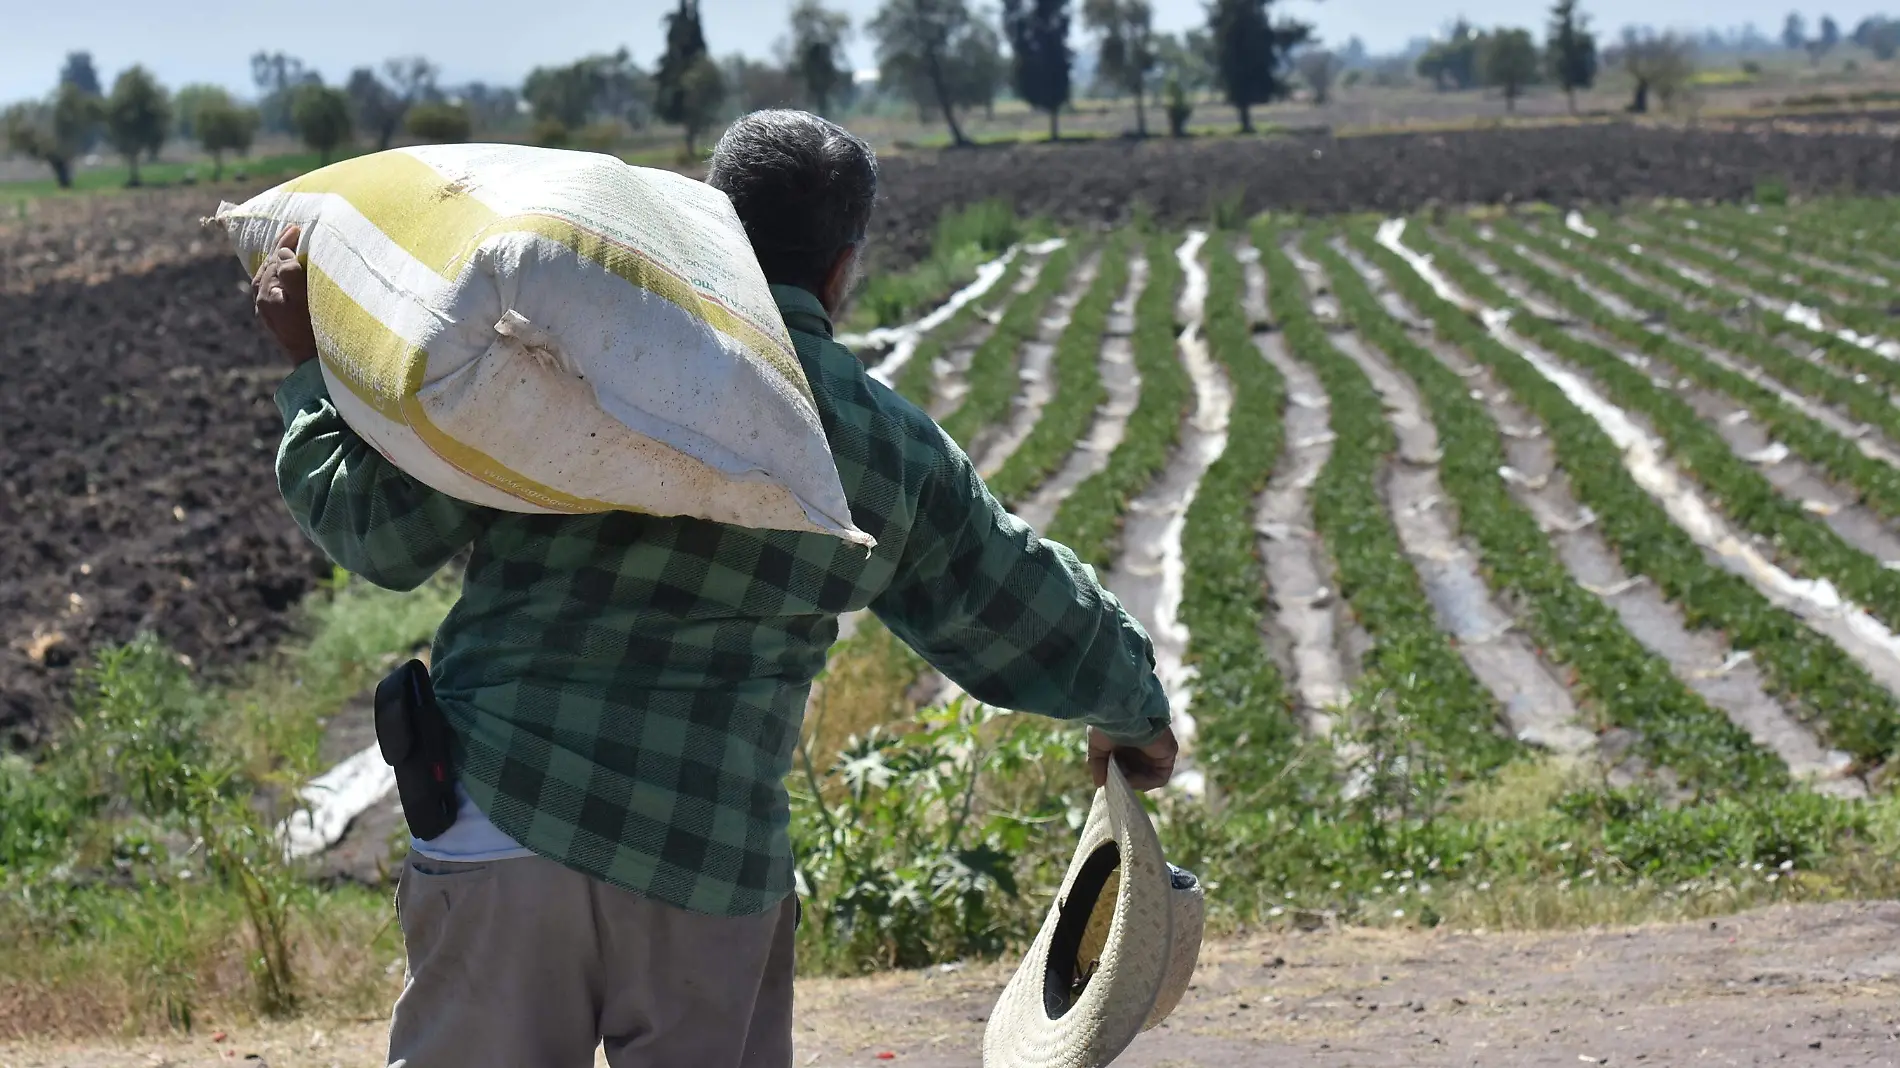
[1097, 181]
[137, 435]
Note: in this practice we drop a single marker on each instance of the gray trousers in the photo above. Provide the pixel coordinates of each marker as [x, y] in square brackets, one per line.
[527, 964]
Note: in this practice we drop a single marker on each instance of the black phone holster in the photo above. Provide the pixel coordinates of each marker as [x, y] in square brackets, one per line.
[414, 737]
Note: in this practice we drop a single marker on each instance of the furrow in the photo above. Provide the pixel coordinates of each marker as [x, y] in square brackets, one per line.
[1148, 572]
[1120, 389]
[1536, 707]
[1089, 519]
[1850, 410]
[1785, 536]
[1778, 440]
[1659, 524]
[993, 447]
[1249, 736]
[1617, 670]
[950, 366]
[1312, 635]
[1412, 671]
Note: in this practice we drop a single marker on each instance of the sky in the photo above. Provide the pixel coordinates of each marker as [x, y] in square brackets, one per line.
[501, 40]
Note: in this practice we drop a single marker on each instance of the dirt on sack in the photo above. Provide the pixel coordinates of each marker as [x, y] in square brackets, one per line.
[1809, 985]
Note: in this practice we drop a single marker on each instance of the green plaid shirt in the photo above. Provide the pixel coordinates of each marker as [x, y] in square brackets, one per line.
[627, 690]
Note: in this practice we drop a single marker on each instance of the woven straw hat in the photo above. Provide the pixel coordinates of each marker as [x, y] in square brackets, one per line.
[1115, 954]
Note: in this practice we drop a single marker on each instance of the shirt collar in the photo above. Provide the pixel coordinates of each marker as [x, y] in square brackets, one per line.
[801, 310]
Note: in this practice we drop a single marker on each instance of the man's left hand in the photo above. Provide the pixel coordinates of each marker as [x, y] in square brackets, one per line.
[1148, 767]
[280, 297]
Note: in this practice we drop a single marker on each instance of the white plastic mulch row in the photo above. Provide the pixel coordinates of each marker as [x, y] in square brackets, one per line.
[903, 339]
[1816, 601]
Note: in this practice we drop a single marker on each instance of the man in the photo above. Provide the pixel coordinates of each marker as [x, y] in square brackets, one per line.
[626, 691]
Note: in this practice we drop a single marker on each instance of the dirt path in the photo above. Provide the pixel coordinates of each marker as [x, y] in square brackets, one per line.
[1808, 985]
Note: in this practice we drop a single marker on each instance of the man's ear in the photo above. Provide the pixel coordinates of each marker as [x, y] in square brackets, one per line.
[838, 281]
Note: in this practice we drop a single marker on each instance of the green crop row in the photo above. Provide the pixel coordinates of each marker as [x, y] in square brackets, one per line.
[1798, 541]
[1768, 257]
[1869, 406]
[1757, 234]
[1878, 484]
[1075, 384]
[993, 372]
[1678, 242]
[1845, 355]
[1630, 686]
[1431, 682]
[1089, 521]
[1246, 730]
[915, 378]
[1809, 674]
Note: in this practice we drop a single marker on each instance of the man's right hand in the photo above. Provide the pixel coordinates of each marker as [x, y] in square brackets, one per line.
[280, 297]
[1147, 767]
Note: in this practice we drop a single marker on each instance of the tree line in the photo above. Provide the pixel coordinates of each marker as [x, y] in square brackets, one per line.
[946, 57]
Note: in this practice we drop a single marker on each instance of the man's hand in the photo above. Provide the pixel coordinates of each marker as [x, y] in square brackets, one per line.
[1148, 767]
[280, 297]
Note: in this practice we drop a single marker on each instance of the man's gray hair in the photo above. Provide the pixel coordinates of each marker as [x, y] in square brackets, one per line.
[803, 186]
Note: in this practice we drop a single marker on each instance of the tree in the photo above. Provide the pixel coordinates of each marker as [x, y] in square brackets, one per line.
[817, 52]
[1660, 63]
[1453, 62]
[1125, 44]
[688, 91]
[937, 53]
[1320, 68]
[438, 122]
[1824, 42]
[278, 77]
[1794, 32]
[1180, 106]
[978, 71]
[222, 126]
[1039, 39]
[1251, 53]
[489, 107]
[1509, 62]
[189, 101]
[381, 100]
[1878, 35]
[138, 117]
[322, 118]
[565, 98]
[1571, 51]
[1188, 58]
[752, 84]
[56, 132]
[79, 73]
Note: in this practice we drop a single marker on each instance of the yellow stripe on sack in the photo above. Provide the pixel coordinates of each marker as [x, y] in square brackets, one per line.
[429, 215]
[368, 357]
[643, 272]
[389, 381]
[436, 221]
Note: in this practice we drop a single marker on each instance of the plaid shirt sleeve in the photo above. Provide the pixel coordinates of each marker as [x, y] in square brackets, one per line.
[1017, 621]
[372, 519]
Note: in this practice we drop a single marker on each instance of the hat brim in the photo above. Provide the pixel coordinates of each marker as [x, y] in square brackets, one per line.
[1040, 1021]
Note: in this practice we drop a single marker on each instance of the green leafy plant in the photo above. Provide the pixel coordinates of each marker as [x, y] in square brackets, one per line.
[916, 845]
